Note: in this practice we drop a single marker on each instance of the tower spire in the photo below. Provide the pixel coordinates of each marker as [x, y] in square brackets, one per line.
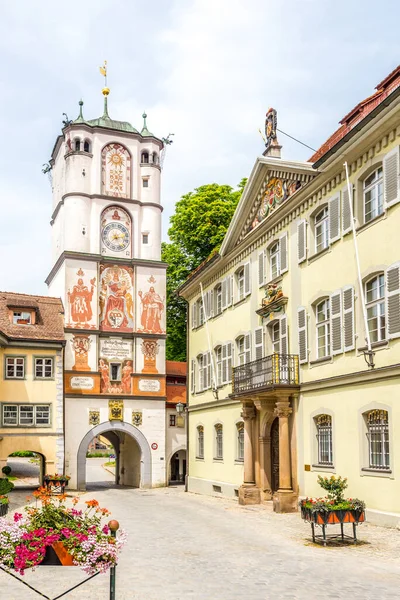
[105, 90]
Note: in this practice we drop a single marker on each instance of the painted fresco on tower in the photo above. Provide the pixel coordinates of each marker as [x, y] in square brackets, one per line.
[116, 298]
[151, 302]
[116, 232]
[81, 313]
[115, 171]
[115, 366]
[80, 352]
[150, 356]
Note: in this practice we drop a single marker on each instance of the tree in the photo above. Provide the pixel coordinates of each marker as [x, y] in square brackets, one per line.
[198, 228]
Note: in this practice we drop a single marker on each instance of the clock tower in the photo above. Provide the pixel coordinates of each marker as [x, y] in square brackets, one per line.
[106, 234]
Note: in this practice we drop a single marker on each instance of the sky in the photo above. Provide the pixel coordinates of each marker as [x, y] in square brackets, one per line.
[205, 70]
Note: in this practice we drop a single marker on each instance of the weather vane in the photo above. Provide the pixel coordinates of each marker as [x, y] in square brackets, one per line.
[103, 71]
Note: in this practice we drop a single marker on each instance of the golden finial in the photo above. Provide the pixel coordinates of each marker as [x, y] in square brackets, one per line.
[103, 71]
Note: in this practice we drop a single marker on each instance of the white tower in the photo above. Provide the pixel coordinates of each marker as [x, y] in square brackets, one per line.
[106, 232]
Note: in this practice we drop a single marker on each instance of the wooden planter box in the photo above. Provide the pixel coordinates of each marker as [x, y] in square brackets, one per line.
[3, 510]
[332, 517]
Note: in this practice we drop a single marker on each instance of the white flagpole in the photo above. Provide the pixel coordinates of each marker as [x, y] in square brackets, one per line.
[215, 388]
[360, 283]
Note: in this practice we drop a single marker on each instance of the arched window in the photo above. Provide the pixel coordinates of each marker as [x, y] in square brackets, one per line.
[373, 195]
[155, 158]
[323, 329]
[200, 441]
[145, 158]
[375, 304]
[274, 260]
[323, 424]
[219, 441]
[240, 441]
[321, 227]
[86, 146]
[77, 145]
[116, 171]
[378, 439]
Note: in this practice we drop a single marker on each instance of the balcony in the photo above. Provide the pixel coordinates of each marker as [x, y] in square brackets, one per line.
[270, 372]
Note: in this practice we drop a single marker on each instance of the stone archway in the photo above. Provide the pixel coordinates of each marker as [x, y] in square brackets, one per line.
[181, 451]
[115, 427]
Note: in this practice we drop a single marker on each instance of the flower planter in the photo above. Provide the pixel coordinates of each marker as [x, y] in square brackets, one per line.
[3, 509]
[333, 517]
[55, 483]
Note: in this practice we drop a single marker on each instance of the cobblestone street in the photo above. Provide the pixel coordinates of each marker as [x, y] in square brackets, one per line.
[184, 546]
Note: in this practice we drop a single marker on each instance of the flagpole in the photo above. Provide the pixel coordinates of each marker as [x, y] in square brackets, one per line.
[368, 355]
[215, 388]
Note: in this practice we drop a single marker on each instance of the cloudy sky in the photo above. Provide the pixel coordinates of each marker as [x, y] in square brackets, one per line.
[205, 70]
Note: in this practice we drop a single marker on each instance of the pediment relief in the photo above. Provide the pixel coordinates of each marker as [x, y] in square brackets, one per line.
[276, 189]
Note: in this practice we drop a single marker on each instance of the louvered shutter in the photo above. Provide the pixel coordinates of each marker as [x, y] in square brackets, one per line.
[211, 303]
[259, 343]
[224, 368]
[229, 360]
[391, 176]
[194, 315]
[247, 280]
[205, 305]
[393, 300]
[348, 318]
[283, 253]
[301, 241]
[346, 214]
[229, 290]
[336, 322]
[223, 293]
[334, 219]
[261, 268]
[283, 329]
[302, 332]
[193, 376]
[247, 347]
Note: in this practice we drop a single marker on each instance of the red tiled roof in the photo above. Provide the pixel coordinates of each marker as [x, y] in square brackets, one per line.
[49, 317]
[359, 112]
[174, 367]
[176, 393]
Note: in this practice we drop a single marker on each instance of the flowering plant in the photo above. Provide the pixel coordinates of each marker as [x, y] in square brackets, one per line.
[23, 541]
[327, 505]
[57, 477]
[4, 499]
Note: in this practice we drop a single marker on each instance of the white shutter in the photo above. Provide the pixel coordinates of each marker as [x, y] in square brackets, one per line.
[336, 322]
[393, 300]
[224, 368]
[193, 376]
[229, 360]
[194, 315]
[283, 253]
[301, 240]
[247, 280]
[247, 347]
[208, 370]
[201, 372]
[211, 303]
[334, 219]
[229, 289]
[283, 330]
[223, 293]
[391, 175]
[346, 215]
[259, 343]
[261, 268]
[302, 331]
[205, 305]
[348, 318]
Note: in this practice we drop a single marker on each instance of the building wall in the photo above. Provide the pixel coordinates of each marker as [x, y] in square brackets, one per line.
[46, 440]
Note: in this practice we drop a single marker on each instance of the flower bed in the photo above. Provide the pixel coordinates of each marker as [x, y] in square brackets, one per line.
[80, 533]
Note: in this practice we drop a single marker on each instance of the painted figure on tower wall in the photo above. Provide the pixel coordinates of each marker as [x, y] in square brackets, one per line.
[115, 299]
[152, 308]
[80, 303]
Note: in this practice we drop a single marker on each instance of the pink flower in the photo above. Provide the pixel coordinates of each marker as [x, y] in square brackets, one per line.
[17, 517]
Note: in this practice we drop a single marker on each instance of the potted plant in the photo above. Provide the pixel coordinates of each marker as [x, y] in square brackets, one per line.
[334, 508]
[56, 481]
[5, 487]
[77, 537]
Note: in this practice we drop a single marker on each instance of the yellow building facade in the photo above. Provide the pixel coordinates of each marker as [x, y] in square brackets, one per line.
[31, 379]
[282, 386]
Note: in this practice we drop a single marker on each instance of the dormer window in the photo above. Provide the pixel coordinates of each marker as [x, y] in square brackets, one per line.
[86, 146]
[145, 158]
[77, 145]
[22, 318]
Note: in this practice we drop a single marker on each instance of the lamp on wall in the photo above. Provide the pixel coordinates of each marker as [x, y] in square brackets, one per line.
[179, 408]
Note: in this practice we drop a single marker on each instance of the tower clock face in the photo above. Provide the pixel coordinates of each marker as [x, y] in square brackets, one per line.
[115, 236]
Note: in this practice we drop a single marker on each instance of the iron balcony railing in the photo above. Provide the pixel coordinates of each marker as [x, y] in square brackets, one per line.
[270, 371]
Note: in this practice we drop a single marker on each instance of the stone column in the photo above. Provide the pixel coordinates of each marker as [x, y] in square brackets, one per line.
[285, 500]
[248, 492]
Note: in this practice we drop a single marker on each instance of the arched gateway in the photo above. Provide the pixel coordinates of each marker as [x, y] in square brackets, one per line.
[132, 439]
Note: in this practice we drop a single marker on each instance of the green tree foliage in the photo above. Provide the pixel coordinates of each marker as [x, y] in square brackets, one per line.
[198, 228]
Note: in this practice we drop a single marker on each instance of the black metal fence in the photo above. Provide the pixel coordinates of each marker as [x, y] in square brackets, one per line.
[273, 370]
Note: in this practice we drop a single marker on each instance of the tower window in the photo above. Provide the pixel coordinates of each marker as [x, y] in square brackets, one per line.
[146, 183]
[77, 145]
[145, 238]
[115, 371]
[155, 158]
[145, 158]
[86, 146]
